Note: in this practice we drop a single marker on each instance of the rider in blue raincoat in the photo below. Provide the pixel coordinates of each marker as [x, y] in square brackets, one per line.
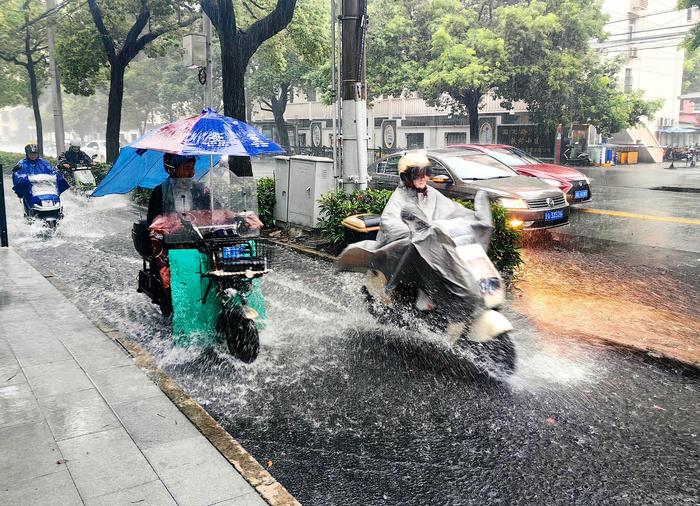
[28, 171]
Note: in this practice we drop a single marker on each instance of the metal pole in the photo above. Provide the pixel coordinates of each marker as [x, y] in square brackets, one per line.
[208, 85]
[354, 93]
[55, 81]
[3, 215]
[334, 114]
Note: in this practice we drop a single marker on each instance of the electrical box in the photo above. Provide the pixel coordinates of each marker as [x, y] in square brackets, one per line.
[308, 178]
[281, 188]
[194, 50]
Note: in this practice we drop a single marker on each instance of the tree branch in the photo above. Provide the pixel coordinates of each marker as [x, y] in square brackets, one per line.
[12, 59]
[107, 41]
[268, 26]
[250, 11]
[137, 27]
[211, 8]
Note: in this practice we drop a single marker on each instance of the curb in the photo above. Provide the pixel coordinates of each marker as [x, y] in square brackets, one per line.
[250, 469]
[651, 352]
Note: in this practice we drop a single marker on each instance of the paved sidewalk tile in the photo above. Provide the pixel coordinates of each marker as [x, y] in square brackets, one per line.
[18, 405]
[49, 490]
[29, 451]
[195, 473]
[105, 462]
[33, 350]
[249, 499]
[57, 378]
[124, 384]
[97, 355]
[151, 494]
[77, 413]
[155, 421]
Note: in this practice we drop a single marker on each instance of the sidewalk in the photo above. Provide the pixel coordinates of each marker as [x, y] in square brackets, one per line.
[81, 423]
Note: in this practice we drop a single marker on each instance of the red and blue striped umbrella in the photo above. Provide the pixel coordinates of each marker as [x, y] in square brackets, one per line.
[209, 133]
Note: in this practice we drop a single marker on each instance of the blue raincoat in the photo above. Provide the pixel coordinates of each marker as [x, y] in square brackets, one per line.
[27, 172]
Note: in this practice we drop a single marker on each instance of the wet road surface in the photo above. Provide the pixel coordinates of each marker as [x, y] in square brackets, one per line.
[345, 411]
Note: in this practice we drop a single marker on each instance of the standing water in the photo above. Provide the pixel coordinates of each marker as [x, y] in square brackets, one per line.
[345, 411]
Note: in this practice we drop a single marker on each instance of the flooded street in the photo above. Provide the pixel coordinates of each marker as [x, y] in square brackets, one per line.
[344, 411]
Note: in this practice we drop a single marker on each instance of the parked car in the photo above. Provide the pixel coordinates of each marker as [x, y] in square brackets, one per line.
[98, 148]
[532, 204]
[573, 183]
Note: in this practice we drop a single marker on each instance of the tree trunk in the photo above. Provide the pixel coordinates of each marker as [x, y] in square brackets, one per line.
[471, 100]
[114, 109]
[233, 66]
[279, 106]
[34, 92]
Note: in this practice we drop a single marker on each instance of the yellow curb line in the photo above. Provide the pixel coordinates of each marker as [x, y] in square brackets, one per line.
[649, 217]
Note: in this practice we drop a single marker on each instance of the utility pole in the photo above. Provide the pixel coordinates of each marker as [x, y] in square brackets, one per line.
[208, 85]
[354, 95]
[55, 80]
[334, 113]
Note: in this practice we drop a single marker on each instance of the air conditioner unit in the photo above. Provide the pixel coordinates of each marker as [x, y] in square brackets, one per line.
[638, 5]
[633, 53]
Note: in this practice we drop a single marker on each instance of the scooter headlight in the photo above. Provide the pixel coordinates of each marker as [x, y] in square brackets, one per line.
[488, 286]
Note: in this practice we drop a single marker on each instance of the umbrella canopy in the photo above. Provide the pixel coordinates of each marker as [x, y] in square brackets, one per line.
[143, 169]
[206, 136]
[209, 133]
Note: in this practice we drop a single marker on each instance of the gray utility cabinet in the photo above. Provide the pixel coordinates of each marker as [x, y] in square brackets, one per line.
[300, 181]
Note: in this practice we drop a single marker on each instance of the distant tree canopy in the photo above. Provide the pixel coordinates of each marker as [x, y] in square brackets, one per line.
[289, 59]
[100, 38]
[536, 51]
[23, 56]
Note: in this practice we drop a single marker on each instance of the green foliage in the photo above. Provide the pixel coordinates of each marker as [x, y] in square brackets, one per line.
[693, 40]
[691, 71]
[9, 160]
[140, 196]
[504, 251]
[338, 205]
[266, 200]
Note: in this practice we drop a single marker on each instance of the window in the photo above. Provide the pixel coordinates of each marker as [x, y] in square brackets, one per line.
[628, 79]
[392, 165]
[414, 141]
[311, 94]
[437, 169]
[455, 138]
[478, 166]
[689, 15]
[512, 156]
[302, 139]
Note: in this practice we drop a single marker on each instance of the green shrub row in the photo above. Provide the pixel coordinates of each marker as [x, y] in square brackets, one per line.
[338, 205]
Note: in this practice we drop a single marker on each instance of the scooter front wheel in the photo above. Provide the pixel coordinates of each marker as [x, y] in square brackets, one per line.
[496, 355]
[241, 334]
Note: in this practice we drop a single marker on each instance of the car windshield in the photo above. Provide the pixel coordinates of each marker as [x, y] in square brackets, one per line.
[477, 166]
[512, 156]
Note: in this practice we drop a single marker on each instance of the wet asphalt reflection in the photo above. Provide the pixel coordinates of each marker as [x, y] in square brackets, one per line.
[344, 411]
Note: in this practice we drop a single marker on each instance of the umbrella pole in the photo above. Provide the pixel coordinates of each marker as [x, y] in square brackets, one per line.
[211, 188]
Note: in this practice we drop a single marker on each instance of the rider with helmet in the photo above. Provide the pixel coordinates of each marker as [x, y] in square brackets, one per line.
[74, 157]
[179, 193]
[33, 165]
[413, 190]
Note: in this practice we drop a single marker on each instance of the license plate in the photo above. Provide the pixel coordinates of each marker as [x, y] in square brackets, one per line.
[553, 215]
[581, 194]
[234, 252]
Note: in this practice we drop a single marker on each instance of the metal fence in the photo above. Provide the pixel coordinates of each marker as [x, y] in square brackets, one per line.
[373, 154]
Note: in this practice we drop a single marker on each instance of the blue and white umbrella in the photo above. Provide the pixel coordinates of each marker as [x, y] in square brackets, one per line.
[206, 136]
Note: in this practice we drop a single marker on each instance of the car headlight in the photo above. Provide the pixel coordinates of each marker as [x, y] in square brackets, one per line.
[553, 182]
[512, 203]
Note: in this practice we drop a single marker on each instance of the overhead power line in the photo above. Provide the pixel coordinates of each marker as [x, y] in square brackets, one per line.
[644, 16]
[625, 34]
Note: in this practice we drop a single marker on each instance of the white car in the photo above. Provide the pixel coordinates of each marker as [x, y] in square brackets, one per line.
[98, 148]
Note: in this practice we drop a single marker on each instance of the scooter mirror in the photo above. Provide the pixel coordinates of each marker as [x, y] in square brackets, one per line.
[441, 179]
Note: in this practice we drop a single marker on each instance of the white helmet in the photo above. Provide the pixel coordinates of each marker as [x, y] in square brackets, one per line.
[75, 145]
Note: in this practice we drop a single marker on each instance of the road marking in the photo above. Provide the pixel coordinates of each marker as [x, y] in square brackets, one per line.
[649, 217]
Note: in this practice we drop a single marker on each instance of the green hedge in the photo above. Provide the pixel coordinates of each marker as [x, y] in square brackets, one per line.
[338, 205]
[335, 206]
[266, 200]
